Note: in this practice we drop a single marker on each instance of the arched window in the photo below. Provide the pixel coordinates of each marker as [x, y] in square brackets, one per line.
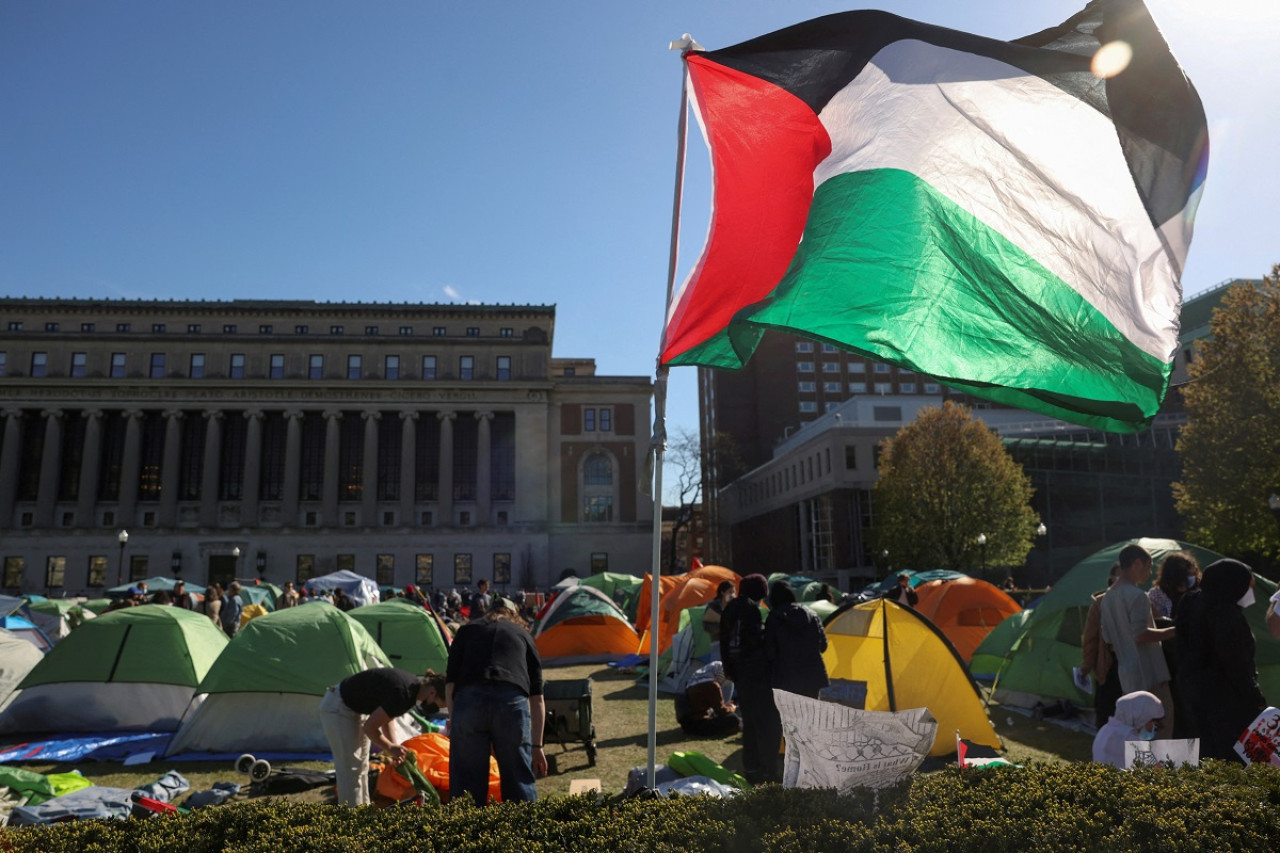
[597, 471]
[597, 488]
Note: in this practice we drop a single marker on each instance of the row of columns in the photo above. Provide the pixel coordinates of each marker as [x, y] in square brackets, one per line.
[127, 503]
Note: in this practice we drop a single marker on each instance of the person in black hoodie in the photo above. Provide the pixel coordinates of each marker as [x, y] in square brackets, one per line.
[794, 641]
[1217, 678]
[747, 665]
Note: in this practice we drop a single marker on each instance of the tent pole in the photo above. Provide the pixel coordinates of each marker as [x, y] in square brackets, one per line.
[888, 667]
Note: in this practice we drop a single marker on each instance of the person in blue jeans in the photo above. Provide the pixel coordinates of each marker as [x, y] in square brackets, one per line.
[493, 689]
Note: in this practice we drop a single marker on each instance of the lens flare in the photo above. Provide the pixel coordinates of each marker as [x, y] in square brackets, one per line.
[1111, 59]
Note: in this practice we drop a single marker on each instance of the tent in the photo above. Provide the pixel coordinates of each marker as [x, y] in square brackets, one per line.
[17, 658]
[154, 585]
[691, 647]
[688, 590]
[1038, 665]
[623, 589]
[133, 669]
[893, 659]
[965, 609]
[582, 624]
[411, 636]
[263, 693]
[358, 588]
[97, 606]
[992, 651]
[27, 630]
[57, 616]
[889, 581]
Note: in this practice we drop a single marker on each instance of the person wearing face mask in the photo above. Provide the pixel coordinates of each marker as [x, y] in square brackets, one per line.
[1177, 576]
[1217, 676]
[1138, 716]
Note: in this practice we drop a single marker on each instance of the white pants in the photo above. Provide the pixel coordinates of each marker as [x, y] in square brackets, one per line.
[344, 729]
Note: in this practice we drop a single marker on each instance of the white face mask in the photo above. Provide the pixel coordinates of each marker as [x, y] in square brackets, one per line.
[1247, 599]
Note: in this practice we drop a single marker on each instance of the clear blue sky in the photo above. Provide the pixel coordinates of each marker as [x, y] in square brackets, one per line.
[437, 151]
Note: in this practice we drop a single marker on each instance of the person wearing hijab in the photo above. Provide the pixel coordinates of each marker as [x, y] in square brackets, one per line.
[1137, 717]
[794, 641]
[747, 664]
[1216, 671]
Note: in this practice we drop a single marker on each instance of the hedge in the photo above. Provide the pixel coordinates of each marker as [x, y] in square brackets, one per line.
[1044, 808]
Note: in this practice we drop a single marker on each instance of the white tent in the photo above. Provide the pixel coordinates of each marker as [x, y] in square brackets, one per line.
[17, 658]
[358, 588]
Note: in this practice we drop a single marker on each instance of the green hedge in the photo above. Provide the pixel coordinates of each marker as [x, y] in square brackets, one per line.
[1042, 808]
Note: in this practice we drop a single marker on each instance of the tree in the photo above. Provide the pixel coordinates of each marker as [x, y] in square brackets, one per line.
[1230, 447]
[945, 479]
[684, 459]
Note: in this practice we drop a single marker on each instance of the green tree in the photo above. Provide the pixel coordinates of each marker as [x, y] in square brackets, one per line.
[945, 479]
[1230, 447]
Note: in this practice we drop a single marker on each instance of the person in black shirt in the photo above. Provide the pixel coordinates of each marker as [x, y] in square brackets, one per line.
[746, 662]
[494, 692]
[361, 709]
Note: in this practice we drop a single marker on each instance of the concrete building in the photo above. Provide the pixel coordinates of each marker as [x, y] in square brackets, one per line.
[426, 444]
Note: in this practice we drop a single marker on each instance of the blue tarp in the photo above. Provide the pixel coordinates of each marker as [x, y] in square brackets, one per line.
[118, 747]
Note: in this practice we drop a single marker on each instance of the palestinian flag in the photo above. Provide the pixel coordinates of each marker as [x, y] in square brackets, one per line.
[994, 214]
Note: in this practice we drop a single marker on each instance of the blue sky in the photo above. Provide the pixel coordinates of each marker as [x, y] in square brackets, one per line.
[435, 151]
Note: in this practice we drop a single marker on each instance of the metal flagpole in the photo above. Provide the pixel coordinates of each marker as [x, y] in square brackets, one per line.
[658, 443]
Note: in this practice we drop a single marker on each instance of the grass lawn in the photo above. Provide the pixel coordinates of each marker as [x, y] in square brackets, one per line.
[620, 710]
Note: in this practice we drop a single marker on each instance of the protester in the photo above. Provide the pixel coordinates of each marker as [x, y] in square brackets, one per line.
[794, 641]
[494, 693]
[362, 709]
[746, 661]
[231, 609]
[213, 603]
[1217, 677]
[1098, 659]
[1129, 626]
[903, 593]
[342, 601]
[1178, 573]
[180, 597]
[715, 610]
[481, 602]
[288, 596]
[1138, 716]
[703, 709]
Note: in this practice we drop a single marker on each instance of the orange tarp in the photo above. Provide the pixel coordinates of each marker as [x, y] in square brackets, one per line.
[965, 610]
[688, 590]
[432, 752]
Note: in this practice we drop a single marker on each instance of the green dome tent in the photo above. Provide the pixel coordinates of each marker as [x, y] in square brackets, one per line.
[134, 669]
[263, 693]
[407, 632]
[623, 589]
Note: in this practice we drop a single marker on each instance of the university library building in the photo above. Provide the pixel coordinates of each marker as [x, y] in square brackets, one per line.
[433, 445]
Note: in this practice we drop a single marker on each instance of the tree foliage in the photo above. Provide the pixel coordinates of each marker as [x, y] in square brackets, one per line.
[1230, 447]
[944, 480]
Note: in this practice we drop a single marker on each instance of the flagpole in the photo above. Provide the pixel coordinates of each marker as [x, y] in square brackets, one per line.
[658, 443]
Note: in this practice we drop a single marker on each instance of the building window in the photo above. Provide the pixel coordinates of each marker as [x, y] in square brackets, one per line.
[804, 346]
[438, 331]
[55, 572]
[932, 388]
[335, 330]
[830, 405]
[406, 330]
[461, 569]
[850, 458]
[266, 329]
[229, 329]
[428, 367]
[599, 562]
[305, 568]
[804, 367]
[138, 567]
[51, 327]
[14, 569]
[276, 371]
[597, 508]
[830, 367]
[884, 387]
[588, 420]
[606, 419]
[237, 366]
[346, 562]
[391, 367]
[907, 387]
[857, 367]
[831, 387]
[120, 327]
[79, 364]
[300, 330]
[805, 387]
[857, 387]
[158, 328]
[355, 366]
[829, 348]
[117, 365]
[4, 363]
[86, 327]
[598, 471]
[502, 568]
[502, 517]
[39, 363]
[15, 325]
[466, 367]
[808, 406]
[371, 330]
[424, 569]
[97, 571]
[597, 488]
[315, 367]
[426, 519]
[385, 569]
[569, 371]
[156, 371]
[464, 518]
[193, 328]
[504, 367]
[881, 368]
[473, 331]
[506, 333]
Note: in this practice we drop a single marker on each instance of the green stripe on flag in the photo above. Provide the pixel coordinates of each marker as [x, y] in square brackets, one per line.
[891, 268]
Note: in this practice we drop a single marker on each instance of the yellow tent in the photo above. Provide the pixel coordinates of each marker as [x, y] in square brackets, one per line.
[903, 661]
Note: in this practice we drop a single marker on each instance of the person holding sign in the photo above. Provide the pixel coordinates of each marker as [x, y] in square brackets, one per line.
[1138, 716]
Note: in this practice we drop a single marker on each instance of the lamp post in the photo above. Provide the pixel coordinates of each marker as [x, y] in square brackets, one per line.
[123, 538]
[982, 545]
[235, 566]
[1274, 503]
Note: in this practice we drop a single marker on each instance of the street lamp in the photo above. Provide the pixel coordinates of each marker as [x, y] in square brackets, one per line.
[1041, 529]
[123, 539]
[982, 544]
[235, 566]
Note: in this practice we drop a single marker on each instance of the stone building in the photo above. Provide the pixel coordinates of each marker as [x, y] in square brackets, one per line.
[427, 444]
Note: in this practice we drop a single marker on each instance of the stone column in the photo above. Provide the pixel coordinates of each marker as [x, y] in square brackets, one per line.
[252, 468]
[369, 470]
[292, 465]
[10, 461]
[128, 506]
[90, 465]
[209, 474]
[484, 467]
[50, 458]
[408, 467]
[329, 495]
[446, 467]
[169, 471]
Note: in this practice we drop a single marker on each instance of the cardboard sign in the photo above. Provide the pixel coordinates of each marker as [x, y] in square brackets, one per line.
[1260, 743]
[1163, 753]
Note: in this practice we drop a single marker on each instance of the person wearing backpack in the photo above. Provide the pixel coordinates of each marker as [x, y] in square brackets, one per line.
[231, 609]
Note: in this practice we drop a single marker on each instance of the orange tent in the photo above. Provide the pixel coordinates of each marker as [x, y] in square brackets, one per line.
[688, 590]
[965, 610]
[665, 584]
[583, 624]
